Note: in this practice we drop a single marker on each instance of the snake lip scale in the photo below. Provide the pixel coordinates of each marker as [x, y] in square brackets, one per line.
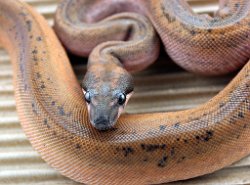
[148, 148]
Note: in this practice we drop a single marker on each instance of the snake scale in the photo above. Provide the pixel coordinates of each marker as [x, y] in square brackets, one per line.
[145, 148]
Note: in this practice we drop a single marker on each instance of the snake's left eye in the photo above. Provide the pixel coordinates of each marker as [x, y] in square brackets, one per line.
[121, 98]
[87, 97]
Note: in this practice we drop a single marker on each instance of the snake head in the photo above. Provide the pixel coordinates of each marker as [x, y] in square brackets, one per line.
[106, 98]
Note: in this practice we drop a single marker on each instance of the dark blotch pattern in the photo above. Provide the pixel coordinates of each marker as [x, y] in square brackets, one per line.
[240, 115]
[35, 51]
[177, 125]
[39, 38]
[42, 86]
[29, 25]
[162, 161]
[35, 58]
[153, 147]
[167, 15]
[205, 137]
[222, 104]
[38, 75]
[181, 159]
[192, 32]
[78, 146]
[45, 122]
[34, 108]
[162, 127]
[61, 110]
[172, 151]
[127, 151]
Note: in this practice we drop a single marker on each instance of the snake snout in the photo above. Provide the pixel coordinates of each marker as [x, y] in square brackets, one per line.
[103, 119]
[102, 123]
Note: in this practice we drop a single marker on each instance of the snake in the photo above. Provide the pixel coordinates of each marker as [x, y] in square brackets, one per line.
[61, 117]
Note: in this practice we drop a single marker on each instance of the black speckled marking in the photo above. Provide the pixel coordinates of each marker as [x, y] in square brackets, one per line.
[177, 125]
[232, 120]
[150, 133]
[205, 137]
[162, 127]
[167, 15]
[78, 146]
[181, 159]
[35, 58]
[34, 51]
[153, 147]
[236, 5]
[172, 151]
[61, 110]
[241, 115]
[38, 75]
[209, 30]
[208, 135]
[39, 38]
[162, 162]
[34, 108]
[29, 25]
[45, 122]
[221, 104]
[163, 146]
[42, 86]
[192, 32]
[127, 151]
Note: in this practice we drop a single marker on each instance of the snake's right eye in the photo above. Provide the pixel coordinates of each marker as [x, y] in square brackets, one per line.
[87, 97]
[121, 98]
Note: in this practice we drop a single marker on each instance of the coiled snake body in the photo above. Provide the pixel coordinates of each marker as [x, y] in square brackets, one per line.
[144, 148]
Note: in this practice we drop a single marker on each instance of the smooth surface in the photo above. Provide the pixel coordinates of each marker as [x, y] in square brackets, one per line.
[181, 90]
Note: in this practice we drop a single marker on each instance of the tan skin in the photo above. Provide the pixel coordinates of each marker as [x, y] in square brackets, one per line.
[142, 148]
